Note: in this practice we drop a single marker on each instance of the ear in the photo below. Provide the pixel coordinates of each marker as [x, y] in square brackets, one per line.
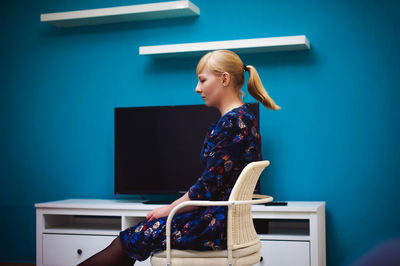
[226, 79]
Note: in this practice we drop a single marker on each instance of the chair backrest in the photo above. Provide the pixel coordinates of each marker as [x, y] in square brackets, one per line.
[240, 222]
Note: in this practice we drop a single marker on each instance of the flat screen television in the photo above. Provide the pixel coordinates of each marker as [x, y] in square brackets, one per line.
[157, 149]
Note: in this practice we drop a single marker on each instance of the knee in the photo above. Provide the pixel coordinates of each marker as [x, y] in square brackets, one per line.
[116, 243]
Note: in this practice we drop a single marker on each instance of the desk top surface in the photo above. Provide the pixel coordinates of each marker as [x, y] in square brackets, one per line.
[118, 204]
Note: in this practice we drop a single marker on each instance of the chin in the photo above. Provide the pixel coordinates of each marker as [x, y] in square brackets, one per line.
[208, 104]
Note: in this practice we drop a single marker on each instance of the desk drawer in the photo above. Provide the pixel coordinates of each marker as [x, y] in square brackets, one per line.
[285, 253]
[63, 250]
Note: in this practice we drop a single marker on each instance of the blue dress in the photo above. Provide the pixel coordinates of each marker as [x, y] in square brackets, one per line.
[229, 145]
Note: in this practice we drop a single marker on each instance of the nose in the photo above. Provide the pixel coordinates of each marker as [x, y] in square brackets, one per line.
[198, 90]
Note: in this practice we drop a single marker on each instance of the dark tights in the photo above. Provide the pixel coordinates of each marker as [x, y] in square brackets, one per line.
[110, 256]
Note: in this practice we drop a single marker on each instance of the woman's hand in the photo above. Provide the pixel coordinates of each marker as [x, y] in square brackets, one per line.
[165, 210]
[158, 213]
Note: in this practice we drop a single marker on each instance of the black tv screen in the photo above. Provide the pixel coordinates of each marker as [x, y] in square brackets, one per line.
[157, 149]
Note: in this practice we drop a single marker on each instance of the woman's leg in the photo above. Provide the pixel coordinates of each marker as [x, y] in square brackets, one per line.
[110, 256]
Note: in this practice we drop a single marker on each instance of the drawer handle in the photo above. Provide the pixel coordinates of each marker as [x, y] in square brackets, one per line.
[79, 251]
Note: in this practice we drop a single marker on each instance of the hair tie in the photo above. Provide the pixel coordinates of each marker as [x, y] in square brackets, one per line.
[245, 67]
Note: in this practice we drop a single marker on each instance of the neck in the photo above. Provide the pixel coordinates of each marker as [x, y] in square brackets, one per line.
[229, 104]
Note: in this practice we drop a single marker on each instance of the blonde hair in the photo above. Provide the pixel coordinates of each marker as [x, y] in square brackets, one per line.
[221, 61]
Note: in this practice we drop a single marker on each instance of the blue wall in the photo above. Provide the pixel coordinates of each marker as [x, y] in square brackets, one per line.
[334, 139]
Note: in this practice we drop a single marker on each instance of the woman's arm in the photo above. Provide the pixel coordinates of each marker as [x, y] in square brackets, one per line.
[165, 210]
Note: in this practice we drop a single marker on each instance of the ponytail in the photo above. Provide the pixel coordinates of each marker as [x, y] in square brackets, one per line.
[257, 90]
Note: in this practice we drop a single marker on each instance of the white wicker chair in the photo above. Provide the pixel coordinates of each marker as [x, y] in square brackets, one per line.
[243, 244]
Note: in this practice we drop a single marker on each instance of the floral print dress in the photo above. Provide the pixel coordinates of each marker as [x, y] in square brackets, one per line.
[229, 145]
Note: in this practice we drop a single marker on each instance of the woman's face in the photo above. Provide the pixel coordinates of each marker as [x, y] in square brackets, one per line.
[210, 87]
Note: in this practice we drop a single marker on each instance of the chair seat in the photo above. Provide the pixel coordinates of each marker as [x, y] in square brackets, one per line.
[244, 256]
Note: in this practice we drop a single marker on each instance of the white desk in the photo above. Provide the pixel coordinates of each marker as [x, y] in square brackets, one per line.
[69, 231]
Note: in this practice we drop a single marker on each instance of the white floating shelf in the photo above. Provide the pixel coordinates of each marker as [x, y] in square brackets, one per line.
[172, 9]
[259, 45]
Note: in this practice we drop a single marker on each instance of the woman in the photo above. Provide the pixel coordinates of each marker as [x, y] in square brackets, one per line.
[230, 144]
